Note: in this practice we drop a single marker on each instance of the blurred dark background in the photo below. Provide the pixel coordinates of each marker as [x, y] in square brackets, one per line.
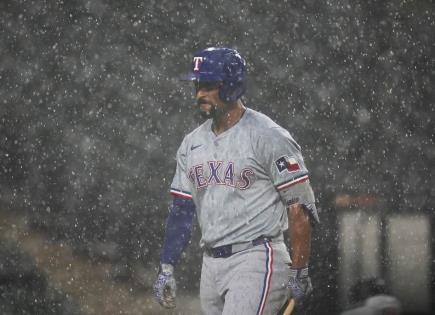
[92, 113]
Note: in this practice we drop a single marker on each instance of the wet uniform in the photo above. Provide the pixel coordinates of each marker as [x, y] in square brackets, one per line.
[241, 183]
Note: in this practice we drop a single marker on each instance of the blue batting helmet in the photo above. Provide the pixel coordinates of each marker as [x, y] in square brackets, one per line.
[224, 65]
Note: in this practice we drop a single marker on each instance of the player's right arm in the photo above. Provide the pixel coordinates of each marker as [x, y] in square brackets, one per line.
[178, 232]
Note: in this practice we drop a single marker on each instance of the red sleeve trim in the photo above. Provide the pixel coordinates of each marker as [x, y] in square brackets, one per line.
[292, 182]
[180, 194]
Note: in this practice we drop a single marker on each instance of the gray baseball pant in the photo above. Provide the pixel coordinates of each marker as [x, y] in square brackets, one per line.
[253, 281]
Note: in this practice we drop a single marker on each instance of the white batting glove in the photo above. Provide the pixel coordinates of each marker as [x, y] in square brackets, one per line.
[165, 286]
[300, 285]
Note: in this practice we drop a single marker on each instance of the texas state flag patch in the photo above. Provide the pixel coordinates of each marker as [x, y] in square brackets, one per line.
[286, 163]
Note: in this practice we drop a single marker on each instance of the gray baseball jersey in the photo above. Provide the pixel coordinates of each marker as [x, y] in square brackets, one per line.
[242, 180]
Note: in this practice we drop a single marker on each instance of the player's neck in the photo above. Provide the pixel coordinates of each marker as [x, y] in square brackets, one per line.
[229, 118]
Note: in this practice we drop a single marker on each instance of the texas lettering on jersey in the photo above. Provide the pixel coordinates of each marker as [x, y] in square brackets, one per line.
[220, 173]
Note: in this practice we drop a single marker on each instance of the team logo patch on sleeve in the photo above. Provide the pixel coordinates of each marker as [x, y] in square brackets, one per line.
[286, 163]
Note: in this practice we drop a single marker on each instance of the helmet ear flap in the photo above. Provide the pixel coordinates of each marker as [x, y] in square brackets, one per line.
[232, 91]
[234, 86]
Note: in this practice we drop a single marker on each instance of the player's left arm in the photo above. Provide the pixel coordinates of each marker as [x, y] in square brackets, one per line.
[299, 234]
[302, 217]
[300, 228]
[283, 158]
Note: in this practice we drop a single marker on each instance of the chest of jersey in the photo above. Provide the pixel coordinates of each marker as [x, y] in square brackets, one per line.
[227, 161]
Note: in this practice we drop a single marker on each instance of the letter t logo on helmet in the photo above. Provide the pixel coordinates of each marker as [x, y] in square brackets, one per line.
[197, 63]
[224, 65]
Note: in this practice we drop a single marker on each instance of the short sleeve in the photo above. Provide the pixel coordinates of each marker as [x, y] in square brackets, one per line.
[180, 186]
[282, 160]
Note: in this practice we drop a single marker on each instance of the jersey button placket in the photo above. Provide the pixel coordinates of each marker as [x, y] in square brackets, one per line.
[216, 144]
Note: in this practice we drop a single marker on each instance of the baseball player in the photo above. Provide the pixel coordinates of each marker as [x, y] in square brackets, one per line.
[245, 178]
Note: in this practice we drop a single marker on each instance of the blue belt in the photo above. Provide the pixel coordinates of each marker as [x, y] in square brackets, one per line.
[228, 250]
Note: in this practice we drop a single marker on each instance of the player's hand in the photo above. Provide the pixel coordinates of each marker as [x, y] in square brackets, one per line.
[164, 287]
[300, 285]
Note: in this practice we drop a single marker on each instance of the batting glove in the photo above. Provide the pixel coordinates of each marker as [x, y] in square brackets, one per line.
[300, 285]
[164, 287]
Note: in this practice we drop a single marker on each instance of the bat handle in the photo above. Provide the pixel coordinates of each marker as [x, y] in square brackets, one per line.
[290, 307]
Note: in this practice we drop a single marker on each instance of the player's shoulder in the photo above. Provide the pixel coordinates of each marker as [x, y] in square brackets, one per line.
[200, 130]
[197, 133]
[267, 132]
[262, 124]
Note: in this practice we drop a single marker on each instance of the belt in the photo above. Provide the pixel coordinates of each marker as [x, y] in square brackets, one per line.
[228, 250]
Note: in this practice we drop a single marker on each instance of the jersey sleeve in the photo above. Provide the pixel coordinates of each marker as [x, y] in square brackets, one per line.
[283, 162]
[180, 187]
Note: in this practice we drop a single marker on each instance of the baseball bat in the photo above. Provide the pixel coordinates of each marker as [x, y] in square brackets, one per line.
[287, 308]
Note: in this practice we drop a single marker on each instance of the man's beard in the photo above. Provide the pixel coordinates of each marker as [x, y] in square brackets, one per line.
[211, 114]
[215, 112]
